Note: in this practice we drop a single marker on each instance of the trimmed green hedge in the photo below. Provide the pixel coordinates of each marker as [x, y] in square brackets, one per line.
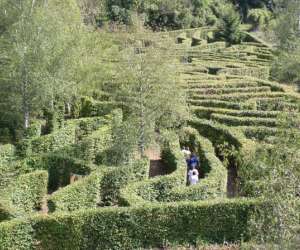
[72, 132]
[82, 194]
[259, 133]
[241, 96]
[218, 134]
[160, 187]
[220, 91]
[48, 143]
[5, 211]
[133, 228]
[7, 152]
[244, 121]
[35, 129]
[218, 104]
[206, 112]
[16, 235]
[27, 192]
[93, 146]
[91, 107]
[60, 168]
[116, 178]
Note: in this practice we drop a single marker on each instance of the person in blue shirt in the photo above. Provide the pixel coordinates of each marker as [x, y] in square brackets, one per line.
[193, 161]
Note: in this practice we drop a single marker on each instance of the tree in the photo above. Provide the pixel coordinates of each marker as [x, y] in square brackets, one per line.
[46, 54]
[229, 25]
[287, 37]
[35, 49]
[149, 92]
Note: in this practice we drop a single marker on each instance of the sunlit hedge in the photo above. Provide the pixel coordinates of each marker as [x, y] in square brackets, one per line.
[133, 228]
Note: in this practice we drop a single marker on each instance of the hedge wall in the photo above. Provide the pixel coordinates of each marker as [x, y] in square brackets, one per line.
[206, 112]
[230, 120]
[27, 192]
[133, 228]
[82, 194]
[116, 178]
[60, 167]
[93, 146]
[217, 104]
[220, 91]
[159, 188]
[16, 235]
[215, 182]
[5, 211]
[72, 132]
[34, 130]
[91, 107]
[7, 152]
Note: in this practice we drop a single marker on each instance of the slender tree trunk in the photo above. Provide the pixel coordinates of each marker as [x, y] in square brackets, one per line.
[142, 122]
[25, 98]
[25, 105]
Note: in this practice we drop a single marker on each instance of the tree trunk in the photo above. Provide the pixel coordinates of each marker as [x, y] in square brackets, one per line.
[26, 119]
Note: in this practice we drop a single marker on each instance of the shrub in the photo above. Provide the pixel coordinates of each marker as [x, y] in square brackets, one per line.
[60, 168]
[134, 228]
[219, 91]
[16, 235]
[5, 211]
[82, 194]
[94, 145]
[258, 72]
[27, 192]
[205, 112]
[244, 121]
[91, 107]
[116, 178]
[159, 188]
[7, 152]
[216, 104]
[34, 130]
[219, 134]
[54, 141]
[259, 17]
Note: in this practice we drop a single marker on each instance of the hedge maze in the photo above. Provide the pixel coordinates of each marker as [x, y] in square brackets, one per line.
[233, 107]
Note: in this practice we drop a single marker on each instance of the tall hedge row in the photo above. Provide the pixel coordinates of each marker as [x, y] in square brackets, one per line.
[158, 189]
[116, 178]
[132, 228]
[7, 152]
[26, 193]
[82, 194]
[60, 167]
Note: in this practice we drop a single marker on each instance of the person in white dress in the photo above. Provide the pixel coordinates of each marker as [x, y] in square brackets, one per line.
[193, 175]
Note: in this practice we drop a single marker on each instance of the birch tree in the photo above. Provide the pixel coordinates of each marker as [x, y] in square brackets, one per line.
[149, 92]
[41, 53]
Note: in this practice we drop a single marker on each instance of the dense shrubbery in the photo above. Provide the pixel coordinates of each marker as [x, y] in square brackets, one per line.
[158, 189]
[116, 178]
[83, 194]
[26, 192]
[132, 228]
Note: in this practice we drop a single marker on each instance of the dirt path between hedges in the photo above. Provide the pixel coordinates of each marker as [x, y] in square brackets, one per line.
[44, 206]
[157, 166]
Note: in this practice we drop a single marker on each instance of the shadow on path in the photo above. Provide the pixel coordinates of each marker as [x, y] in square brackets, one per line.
[157, 166]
